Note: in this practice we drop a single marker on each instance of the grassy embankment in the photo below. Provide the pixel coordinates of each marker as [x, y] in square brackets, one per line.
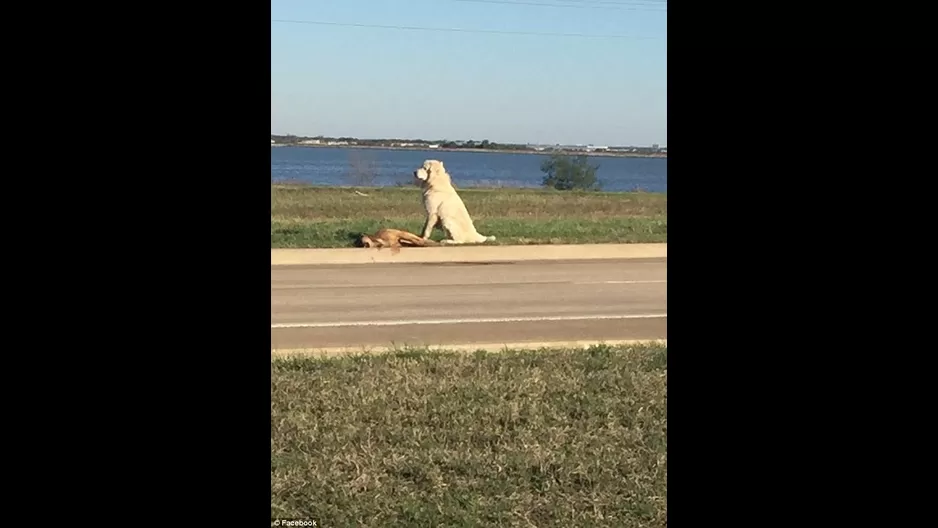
[306, 216]
[523, 438]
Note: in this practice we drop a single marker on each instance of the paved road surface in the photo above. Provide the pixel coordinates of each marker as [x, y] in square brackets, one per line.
[455, 303]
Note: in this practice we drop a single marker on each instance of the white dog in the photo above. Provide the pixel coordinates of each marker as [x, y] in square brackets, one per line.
[444, 206]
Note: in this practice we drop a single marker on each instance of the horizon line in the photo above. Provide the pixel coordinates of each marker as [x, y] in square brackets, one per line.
[446, 140]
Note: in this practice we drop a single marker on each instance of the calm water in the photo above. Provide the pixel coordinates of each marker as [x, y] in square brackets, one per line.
[376, 167]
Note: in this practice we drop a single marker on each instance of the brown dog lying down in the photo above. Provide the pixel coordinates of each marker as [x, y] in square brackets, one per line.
[394, 239]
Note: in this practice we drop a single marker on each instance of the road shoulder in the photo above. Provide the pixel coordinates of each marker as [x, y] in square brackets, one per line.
[313, 256]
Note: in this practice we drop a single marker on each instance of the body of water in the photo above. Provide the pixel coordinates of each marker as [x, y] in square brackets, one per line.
[379, 167]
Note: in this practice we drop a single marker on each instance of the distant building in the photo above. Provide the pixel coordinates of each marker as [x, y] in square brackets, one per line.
[310, 142]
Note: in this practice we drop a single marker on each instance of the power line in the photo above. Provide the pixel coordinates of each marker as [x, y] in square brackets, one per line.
[461, 30]
[629, 2]
[570, 6]
[645, 3]
[640, 3]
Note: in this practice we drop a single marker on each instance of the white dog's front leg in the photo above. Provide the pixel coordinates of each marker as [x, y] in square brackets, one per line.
[432, 219]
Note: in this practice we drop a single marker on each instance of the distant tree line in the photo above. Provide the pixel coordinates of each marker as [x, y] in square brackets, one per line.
[484, 144]
[290, 139]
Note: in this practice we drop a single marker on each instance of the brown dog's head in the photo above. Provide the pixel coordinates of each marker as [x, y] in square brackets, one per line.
[366, 241]
[431, 174]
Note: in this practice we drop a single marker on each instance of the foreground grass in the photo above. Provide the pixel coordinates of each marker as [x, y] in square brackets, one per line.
[529, 438]
[304, 216]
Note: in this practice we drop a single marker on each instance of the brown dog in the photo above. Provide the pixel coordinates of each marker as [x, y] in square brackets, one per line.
[394, 239]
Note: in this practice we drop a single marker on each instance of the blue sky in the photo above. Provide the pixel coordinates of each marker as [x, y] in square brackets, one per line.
[375, 82]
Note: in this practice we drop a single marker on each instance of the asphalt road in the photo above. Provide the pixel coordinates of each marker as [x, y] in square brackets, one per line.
[463, 303]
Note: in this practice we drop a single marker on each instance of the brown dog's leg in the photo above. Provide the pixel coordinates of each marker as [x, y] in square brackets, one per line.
[411, 238]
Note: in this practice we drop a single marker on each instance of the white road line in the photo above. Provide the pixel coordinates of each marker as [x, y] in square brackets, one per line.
[424, 285]
[338, 324]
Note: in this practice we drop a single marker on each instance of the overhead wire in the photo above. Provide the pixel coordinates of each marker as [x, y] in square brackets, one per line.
[463, 30]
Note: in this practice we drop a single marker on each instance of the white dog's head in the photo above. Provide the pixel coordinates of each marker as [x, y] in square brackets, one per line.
[432, 174]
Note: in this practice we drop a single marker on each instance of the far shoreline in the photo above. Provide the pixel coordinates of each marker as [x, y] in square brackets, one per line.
[486, 151]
